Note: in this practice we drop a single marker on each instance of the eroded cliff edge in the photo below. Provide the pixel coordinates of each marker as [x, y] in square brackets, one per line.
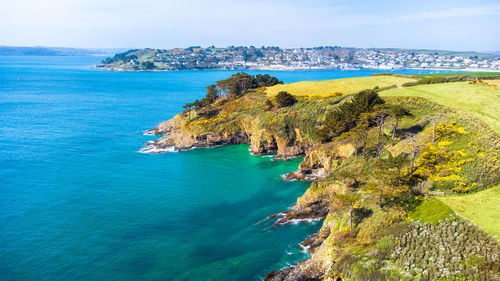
[362, 222]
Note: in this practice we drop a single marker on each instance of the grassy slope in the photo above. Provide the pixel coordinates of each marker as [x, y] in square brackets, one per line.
[478, 99]
[481, 207]
[345, 85]
[483, 102]
[461, 73]
[431, 211]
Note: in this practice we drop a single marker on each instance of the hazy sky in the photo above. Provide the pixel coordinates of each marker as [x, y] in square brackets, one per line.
[452, 25]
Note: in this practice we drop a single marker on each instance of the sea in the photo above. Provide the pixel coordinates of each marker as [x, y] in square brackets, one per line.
[79, 201]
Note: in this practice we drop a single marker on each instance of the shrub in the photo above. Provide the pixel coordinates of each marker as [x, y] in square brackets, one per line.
[268, 105]
[285, 99]
[385, 245]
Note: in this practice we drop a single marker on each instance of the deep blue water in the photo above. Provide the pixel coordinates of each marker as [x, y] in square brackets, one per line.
[78, 202]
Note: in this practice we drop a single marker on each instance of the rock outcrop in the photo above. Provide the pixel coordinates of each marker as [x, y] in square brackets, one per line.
[176, 136]
[320, 261]
[320, 161]
[316, 203]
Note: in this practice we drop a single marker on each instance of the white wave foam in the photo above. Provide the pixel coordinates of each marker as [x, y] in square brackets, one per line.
[285, 178]
[304, 249]
[148, 133]
[153, 149]
[299, 221]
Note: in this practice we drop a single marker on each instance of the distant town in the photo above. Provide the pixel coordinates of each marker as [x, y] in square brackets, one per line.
[275, 58]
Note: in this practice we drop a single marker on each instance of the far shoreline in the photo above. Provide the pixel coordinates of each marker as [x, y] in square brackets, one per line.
[111, 69]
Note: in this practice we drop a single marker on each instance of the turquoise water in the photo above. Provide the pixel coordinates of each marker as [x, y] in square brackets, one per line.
[78, 202]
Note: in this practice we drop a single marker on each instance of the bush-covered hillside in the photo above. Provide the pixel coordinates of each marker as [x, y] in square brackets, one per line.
[382, 163]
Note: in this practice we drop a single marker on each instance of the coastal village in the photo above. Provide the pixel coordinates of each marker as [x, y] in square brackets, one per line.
[275, 58]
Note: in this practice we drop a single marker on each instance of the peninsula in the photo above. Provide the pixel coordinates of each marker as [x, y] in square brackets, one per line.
[275, 58]
[404, 170]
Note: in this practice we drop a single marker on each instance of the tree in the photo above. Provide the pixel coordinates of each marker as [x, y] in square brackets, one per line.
[212, 94]
[347, 115]
[235, 86]
[388, 178]
[350, 200]
[435, 120]
[187, 108]
[266, 80]
[285, 99]
[398, 111]
[413, 144]
[380, 120]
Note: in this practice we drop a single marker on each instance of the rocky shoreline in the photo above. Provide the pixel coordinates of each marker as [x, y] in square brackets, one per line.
[312, 206]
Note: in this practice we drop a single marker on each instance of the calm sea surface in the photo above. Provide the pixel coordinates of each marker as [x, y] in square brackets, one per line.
[79, 202]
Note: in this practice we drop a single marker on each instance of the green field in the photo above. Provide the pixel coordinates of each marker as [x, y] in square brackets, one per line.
[431, 211]
[480, 100]
[344, 86]
[461, 74]
[481, 207]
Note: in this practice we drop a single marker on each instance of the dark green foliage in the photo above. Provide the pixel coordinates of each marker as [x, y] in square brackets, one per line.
[285, 99]
[238, 84]
[359, 214]
[266, 80]
[399, 111]
[212, 95]
[234, 87]
[347, 115]
[148, 65]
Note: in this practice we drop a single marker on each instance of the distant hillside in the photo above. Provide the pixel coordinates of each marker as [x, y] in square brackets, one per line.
[275, 58]
[54, 51]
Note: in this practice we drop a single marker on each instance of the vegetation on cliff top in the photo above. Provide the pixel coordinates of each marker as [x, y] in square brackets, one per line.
[480, 207]
[343, 86]
[407, 145]
[479, 99]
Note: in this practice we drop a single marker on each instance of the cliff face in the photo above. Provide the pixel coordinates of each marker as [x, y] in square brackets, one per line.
[358, 231]
[240, 121]
[318, 266]
[320, 161]
[178, 138]
[286, 134]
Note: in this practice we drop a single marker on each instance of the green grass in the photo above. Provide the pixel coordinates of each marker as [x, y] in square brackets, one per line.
[461, 74]
[431, 211]
[344, 86]
[479, 100]
[483, 208]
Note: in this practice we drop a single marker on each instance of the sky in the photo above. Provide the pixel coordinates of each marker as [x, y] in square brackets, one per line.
[423, 24]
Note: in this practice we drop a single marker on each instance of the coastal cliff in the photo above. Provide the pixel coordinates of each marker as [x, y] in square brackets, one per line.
[372, 177]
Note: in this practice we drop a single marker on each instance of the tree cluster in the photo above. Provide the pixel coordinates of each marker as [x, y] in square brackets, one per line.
[347, 115]
[234, 87]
